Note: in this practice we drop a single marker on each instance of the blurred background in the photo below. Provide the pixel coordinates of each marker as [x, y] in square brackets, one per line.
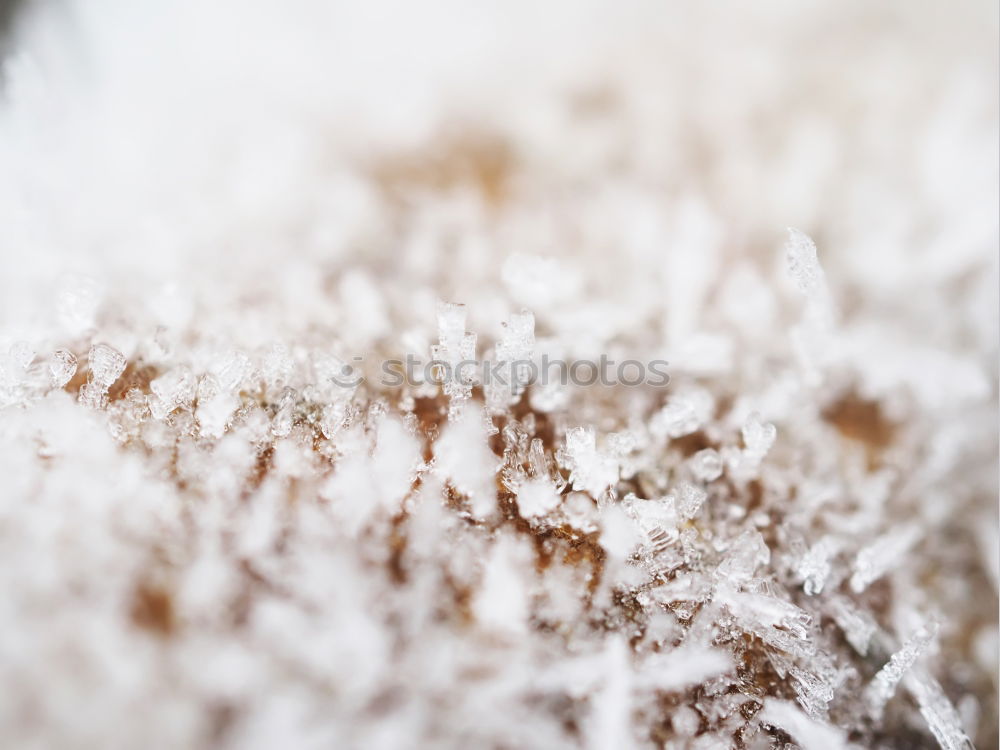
[242, 146]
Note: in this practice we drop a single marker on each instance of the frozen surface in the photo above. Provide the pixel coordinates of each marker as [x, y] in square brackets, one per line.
[224, 224]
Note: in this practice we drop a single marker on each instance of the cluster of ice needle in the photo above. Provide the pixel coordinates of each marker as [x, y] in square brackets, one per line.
[210, 538]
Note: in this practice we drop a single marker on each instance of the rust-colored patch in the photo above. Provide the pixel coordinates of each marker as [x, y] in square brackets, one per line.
[385, 702]
[754, 496]
[252, 582]
[260, 469]
[136, 375]
[496, 441]
[863, 421]
[153, 609]
[544, 552]
[595, 101]
[431, 414]
[481, 161]
[79, 378]
[585, 550]
[877, 599]
[460, 610]
[397, 548]
[221, 718]
[567, 544]
[691, 444]
[750, 708]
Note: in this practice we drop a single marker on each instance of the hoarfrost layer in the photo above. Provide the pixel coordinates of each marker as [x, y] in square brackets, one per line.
[213, 535]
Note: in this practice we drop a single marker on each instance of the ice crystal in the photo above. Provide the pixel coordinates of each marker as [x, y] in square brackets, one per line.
[878, 557]
[858, 626]
[277, 365]
[685, 666]
[746, 553]
[683, 414]
[536, 497]
[171, 390]
[214, 413]
[758, 436]
[815, 566]
[454, 346]
[230, 368]
[580, 512]
[816, 686]
[463, 458]
[810, 734]
[502, 603]
[706, 465]
[226, 522]
[62, 367]
[689, 501]
[590, 469]
[939, 713]
[22, 354]
[803, 265]
[106, 365]
[685, 721]
[513, 355]
[883, 685]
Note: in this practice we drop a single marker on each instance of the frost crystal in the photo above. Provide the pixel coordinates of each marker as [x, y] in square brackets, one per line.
[502, 604]
[62, 367]
[22, 354]
[689, 500]
[815, 566]
[513, 354]
[463, 457]
[277, 365]
[106, 365]
[174, 388]
[230, 369]
[858, 627]
[518, 339]
[214, 412]
[454, 346]
[365, 487]
[685, 666]
[878, 557]
[683, 414]
[758, 436]
[883, 685]
[536, 497]
[816, 685]
[706, 465]
[809, 733]
[803, 265]
[939, 713]
[590, 469]
[620, 535]
[747, 553]
[685, 721]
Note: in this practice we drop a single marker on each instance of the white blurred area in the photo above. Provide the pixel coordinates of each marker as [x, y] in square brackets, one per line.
[222, 146]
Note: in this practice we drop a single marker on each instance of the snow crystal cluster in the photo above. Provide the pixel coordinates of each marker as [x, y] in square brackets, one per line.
[223, 224]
